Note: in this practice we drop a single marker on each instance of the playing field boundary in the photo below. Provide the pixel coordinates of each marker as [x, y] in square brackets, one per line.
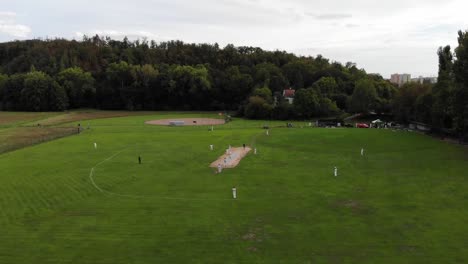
[91, 177]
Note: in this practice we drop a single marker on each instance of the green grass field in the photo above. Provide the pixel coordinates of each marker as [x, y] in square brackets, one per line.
[21, 129]
[405, 201]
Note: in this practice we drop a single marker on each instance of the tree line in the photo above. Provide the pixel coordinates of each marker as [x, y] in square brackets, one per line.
[99, 72]
[49, 75]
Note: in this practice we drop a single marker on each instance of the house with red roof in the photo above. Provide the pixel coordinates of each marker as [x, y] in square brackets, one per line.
[288, 95]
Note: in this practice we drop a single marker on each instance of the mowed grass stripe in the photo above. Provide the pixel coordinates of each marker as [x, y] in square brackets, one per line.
[403, 202]
[42, 191]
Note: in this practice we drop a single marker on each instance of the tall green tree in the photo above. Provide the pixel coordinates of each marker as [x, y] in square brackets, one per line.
[364, 97]
[264, 93]
[326, 86]
[119, 92]
[460, 69]
[423, 108]
[268, 74]
[257, 108]
[327, 107]
[385, 94]
[300, 73]
[404, 105]
[442, 107]
[12, 92]
[147, 86]
[191, 85]
[235, 86]
[306, 103]
[3, 80]
[42, 93]
[79, 86]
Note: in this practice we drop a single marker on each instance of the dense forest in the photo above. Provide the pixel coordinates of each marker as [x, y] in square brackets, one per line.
[99, 72]
[45, 75]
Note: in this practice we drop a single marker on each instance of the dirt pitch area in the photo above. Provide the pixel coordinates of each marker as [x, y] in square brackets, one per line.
[231, 158]
[188, 121]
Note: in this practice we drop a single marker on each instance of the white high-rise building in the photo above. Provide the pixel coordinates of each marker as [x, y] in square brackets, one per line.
[422, 79]
[400, 79]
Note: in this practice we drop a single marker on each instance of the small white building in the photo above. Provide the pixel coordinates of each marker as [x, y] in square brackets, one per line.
[422, 80]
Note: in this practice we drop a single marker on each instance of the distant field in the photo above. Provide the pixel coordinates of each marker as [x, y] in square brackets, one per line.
[21, 129]
[17, 118]
[20, 137]
[63, 201]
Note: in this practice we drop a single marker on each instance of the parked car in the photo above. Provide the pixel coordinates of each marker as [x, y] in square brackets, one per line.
[362, 125]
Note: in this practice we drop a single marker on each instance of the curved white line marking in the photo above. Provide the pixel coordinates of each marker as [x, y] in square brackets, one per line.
[91, 177]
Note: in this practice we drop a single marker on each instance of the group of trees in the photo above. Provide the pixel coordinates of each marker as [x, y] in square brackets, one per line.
[50, 75]
[46, 75]
[444, 105]
[32, 91]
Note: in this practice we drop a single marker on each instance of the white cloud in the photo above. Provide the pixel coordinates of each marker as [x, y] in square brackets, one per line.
[330, 16]
[381, 36]
[9, 26]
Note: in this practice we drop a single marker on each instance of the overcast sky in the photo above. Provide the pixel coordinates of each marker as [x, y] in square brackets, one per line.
[380, 36]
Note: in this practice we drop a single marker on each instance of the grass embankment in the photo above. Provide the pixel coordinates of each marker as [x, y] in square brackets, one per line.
[22, 129]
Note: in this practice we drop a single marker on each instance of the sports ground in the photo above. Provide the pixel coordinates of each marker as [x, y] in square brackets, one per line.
[64, 201]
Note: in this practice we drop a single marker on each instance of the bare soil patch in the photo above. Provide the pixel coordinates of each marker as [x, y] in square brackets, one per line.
[84, 115]
[231, 158]
[188, 121]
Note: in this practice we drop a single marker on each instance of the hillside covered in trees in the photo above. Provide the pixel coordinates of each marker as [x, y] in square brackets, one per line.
[103, 73]
[97, 72]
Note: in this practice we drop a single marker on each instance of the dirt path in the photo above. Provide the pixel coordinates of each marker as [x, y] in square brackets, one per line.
[231, 159]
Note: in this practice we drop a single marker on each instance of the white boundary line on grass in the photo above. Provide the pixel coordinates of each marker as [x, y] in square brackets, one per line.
[91, 177]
